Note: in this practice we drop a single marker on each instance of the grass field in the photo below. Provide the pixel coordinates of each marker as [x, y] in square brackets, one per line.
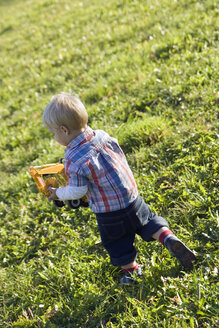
[147, 72]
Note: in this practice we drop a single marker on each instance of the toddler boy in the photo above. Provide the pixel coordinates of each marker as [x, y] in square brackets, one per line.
[97, 167]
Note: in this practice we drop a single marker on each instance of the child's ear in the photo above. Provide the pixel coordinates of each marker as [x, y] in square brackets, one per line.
[65, 129]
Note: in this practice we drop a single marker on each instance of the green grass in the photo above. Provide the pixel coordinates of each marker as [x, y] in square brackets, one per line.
[147, 72]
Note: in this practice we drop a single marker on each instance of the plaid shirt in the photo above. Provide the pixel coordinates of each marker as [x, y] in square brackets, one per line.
[95, 159]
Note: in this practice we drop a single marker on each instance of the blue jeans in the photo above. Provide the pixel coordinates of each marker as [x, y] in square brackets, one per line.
[117, 230]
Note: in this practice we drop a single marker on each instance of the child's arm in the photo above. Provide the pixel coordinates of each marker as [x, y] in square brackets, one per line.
[67, 193]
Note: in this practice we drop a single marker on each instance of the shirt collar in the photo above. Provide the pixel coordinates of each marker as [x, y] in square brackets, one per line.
[79, 139]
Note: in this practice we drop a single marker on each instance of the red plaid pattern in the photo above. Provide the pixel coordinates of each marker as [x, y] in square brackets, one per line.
[95, 159]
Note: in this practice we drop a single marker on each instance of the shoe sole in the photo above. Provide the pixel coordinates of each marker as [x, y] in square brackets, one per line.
[183, 254]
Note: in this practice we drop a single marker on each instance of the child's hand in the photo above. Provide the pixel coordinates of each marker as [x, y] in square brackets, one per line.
[52, 196]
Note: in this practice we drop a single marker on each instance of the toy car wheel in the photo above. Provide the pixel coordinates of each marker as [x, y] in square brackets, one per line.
[58, 203]
[84, 204]
[73, 204]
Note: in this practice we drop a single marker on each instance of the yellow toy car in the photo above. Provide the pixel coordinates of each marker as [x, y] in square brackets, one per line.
[55, 176]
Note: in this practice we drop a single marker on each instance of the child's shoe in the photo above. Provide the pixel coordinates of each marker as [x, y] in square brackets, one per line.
[182, 253]
[129, 277]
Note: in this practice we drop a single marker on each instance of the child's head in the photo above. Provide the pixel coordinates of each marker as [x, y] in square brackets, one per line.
[65, 110]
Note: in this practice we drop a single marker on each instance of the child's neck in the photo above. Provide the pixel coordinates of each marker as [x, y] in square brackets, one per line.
[75, 133]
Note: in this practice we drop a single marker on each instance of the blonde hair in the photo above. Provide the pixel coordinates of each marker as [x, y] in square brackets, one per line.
[65, 109]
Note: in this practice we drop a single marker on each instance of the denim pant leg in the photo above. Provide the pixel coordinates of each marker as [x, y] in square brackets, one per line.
[117, 230]
[149, 222]
[117, 240]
